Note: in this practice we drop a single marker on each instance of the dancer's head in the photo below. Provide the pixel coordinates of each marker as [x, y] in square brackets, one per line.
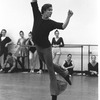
[93, 58]
[69, 57]
[56, 33]
[30, 35]
[21, 33]
[46, 11]
[3, 32]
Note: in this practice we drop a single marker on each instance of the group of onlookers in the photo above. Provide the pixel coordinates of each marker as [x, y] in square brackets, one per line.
[26, 47]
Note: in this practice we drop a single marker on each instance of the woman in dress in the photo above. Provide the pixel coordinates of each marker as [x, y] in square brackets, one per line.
[21, 52]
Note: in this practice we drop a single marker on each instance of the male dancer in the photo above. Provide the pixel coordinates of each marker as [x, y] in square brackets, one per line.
[41, 29]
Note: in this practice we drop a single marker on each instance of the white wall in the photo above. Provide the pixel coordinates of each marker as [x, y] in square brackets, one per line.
[16, 15]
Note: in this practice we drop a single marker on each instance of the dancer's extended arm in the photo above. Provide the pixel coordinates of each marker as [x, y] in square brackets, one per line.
[70, 13]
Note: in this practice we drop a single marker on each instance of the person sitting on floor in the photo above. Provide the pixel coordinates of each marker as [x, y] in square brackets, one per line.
[9, 64]
[68, 64]
[93, 66]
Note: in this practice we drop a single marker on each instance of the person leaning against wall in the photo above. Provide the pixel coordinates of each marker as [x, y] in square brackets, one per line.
[57, 43]
[4, 42]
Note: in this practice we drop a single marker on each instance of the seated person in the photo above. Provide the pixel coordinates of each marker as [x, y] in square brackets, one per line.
[68, 64]
[9, 64]
[93, 66]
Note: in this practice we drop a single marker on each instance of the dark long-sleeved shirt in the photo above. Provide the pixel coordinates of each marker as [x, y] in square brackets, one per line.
[3, 43]
[59, 42]
[42, 28]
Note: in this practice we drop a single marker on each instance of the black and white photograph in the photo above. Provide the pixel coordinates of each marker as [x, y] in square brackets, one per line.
[49, 49]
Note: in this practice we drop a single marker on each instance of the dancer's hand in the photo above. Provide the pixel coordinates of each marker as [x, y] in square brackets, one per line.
[70, 13]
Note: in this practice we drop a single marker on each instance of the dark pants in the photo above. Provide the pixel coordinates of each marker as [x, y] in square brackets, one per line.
[5, 53]
[46, 56]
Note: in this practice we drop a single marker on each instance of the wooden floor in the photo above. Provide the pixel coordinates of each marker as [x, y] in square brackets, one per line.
[27, 86]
